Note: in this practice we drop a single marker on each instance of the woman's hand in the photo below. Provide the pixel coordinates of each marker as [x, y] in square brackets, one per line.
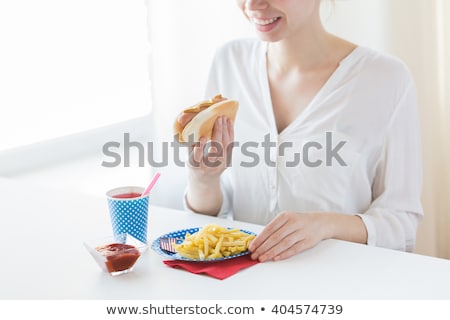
[207, 161]
[286, 235]
[291, 233]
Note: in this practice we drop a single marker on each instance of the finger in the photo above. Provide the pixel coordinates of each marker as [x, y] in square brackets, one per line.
[217, 130]
[282, 247]
[227, 137]
[216, 152]
[298, 247]
[213, 155]
[226, 131]
[229, 141]
[277, 242]
[196, 156]
[231, 129]
[274, 225]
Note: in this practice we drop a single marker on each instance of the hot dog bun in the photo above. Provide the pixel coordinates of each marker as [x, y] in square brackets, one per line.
[205, 115]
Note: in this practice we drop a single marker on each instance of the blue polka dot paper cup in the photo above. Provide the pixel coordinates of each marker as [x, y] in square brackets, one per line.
[129, 211]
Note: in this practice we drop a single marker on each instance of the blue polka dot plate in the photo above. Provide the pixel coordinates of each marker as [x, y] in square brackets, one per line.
[179, 235]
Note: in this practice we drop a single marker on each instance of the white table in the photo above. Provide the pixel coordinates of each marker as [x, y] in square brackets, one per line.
[43, 258]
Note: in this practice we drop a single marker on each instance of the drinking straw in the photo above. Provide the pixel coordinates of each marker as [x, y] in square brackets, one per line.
[152, 183]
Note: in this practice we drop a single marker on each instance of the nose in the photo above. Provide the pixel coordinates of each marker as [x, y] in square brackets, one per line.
[255, 4]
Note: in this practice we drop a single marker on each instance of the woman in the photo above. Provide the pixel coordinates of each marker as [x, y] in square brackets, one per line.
[326, 140]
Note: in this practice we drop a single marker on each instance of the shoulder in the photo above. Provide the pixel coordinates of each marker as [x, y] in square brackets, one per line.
[237, 45]
[240, 58]
[236, 64]
[388, 82]
[241, 49]
[384, 67]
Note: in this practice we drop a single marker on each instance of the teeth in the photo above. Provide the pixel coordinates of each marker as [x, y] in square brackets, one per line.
[264, 22]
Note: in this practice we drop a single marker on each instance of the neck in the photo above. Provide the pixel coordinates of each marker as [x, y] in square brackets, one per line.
[308, 49]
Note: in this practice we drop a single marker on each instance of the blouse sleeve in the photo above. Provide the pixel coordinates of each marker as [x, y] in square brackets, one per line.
[396, 211]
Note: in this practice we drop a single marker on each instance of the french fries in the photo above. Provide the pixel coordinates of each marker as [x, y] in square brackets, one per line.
[213, 242]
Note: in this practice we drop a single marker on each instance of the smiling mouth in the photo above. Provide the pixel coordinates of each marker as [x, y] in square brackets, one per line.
[264, 22]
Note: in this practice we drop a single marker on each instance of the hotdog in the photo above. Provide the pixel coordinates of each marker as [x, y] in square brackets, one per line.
[198, 121]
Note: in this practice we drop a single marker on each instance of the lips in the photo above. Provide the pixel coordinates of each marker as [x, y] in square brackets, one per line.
[265, 24]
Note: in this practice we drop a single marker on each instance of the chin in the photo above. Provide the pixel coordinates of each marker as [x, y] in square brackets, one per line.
[269, 38]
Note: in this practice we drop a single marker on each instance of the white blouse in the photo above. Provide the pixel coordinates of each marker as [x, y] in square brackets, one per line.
[355, 149]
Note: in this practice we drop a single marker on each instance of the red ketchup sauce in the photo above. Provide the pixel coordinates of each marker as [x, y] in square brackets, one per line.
[119, 256]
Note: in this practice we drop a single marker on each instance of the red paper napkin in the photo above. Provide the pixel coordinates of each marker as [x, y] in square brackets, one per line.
[218, 269]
